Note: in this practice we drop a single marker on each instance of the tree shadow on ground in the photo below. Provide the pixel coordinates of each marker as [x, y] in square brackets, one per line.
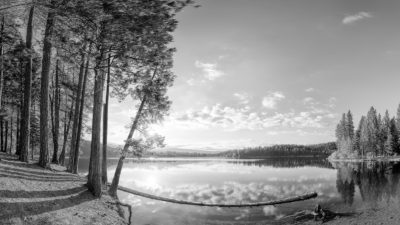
[24, 167]
[40, 194]
[17, 209]
[42, 179]
[38, 175]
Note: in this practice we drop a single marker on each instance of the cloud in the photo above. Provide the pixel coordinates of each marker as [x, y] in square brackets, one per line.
[210, 70]
[308, 101]
[243, 118]
[356, 17]
[243, 97]
[309, 90]
[191, 82]
[332, 102]
[270, 101]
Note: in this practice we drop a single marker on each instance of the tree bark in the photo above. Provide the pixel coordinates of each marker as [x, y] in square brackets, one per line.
[67, 125]
[94, 178]
[44, 90]
[117, 174]
[82, 106]
[1, 59]
[1, 135]
[114, 185]
[18, 136]
[56, 116]
[105, 126]
[6, 137]
[26, 117]
[11, 129]
[73, 148]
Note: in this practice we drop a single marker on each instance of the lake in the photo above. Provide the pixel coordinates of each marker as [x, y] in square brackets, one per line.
[343, 187]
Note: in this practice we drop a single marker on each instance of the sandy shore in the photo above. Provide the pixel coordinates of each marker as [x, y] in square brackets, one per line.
[30, 194]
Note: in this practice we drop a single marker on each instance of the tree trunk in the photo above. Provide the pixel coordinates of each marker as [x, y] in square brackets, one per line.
[67, 126]
[1, 59]
[44, 90]
[26, 117]
[56, 116]
[117, 174]
[11, 129]
[114, 185]
[1, 135]
[33, 145]
[17, 141]
[73, 148]
[105, 126]
[6, 137]
[82, 106]
[94, 178]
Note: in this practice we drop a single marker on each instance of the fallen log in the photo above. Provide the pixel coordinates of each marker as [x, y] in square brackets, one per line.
[274, 202]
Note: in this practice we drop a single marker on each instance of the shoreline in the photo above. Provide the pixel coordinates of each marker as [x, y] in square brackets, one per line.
[397, 159]
[334, 158]
[382, 214]
[30, 194]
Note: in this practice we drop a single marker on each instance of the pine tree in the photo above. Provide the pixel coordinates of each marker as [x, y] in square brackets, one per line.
[350, 125]
[389, 148]
[398, 118]
[349, 139]
[370, 133]
[25, 119]
[341, 134]
[357, 137]
[395, 136]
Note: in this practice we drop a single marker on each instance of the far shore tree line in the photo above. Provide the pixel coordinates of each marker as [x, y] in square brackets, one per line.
[283, 150]
[375, 135]
[61, 60]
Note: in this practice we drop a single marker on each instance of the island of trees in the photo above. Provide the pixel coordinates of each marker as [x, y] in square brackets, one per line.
[376, 136]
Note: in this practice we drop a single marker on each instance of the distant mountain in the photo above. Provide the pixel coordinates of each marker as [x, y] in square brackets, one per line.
[112, 149]
[186, 150]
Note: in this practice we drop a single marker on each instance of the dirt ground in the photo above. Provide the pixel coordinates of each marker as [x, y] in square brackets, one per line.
[379, 216]
[30, 194]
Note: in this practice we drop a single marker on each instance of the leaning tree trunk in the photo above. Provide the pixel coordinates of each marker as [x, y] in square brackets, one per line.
[114, 185]
[105, 127]
[44, 91]
[94, 177]
[82, 104]
[56, 116]
[75, 123]
[25, 118]
[117, 174]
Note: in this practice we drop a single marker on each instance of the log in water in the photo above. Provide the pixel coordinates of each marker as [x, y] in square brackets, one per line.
[275, 202]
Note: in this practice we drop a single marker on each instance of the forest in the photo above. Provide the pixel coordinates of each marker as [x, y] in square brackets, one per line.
[61, 61]
[316, 150]
[375, 136]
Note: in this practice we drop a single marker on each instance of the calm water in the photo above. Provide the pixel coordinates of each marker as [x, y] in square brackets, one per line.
[344, 187]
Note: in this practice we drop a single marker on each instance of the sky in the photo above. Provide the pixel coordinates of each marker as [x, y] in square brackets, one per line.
[264, 72]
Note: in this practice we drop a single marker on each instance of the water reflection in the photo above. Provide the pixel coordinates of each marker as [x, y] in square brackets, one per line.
[288, 162]
[376, 181]
[345, 187]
